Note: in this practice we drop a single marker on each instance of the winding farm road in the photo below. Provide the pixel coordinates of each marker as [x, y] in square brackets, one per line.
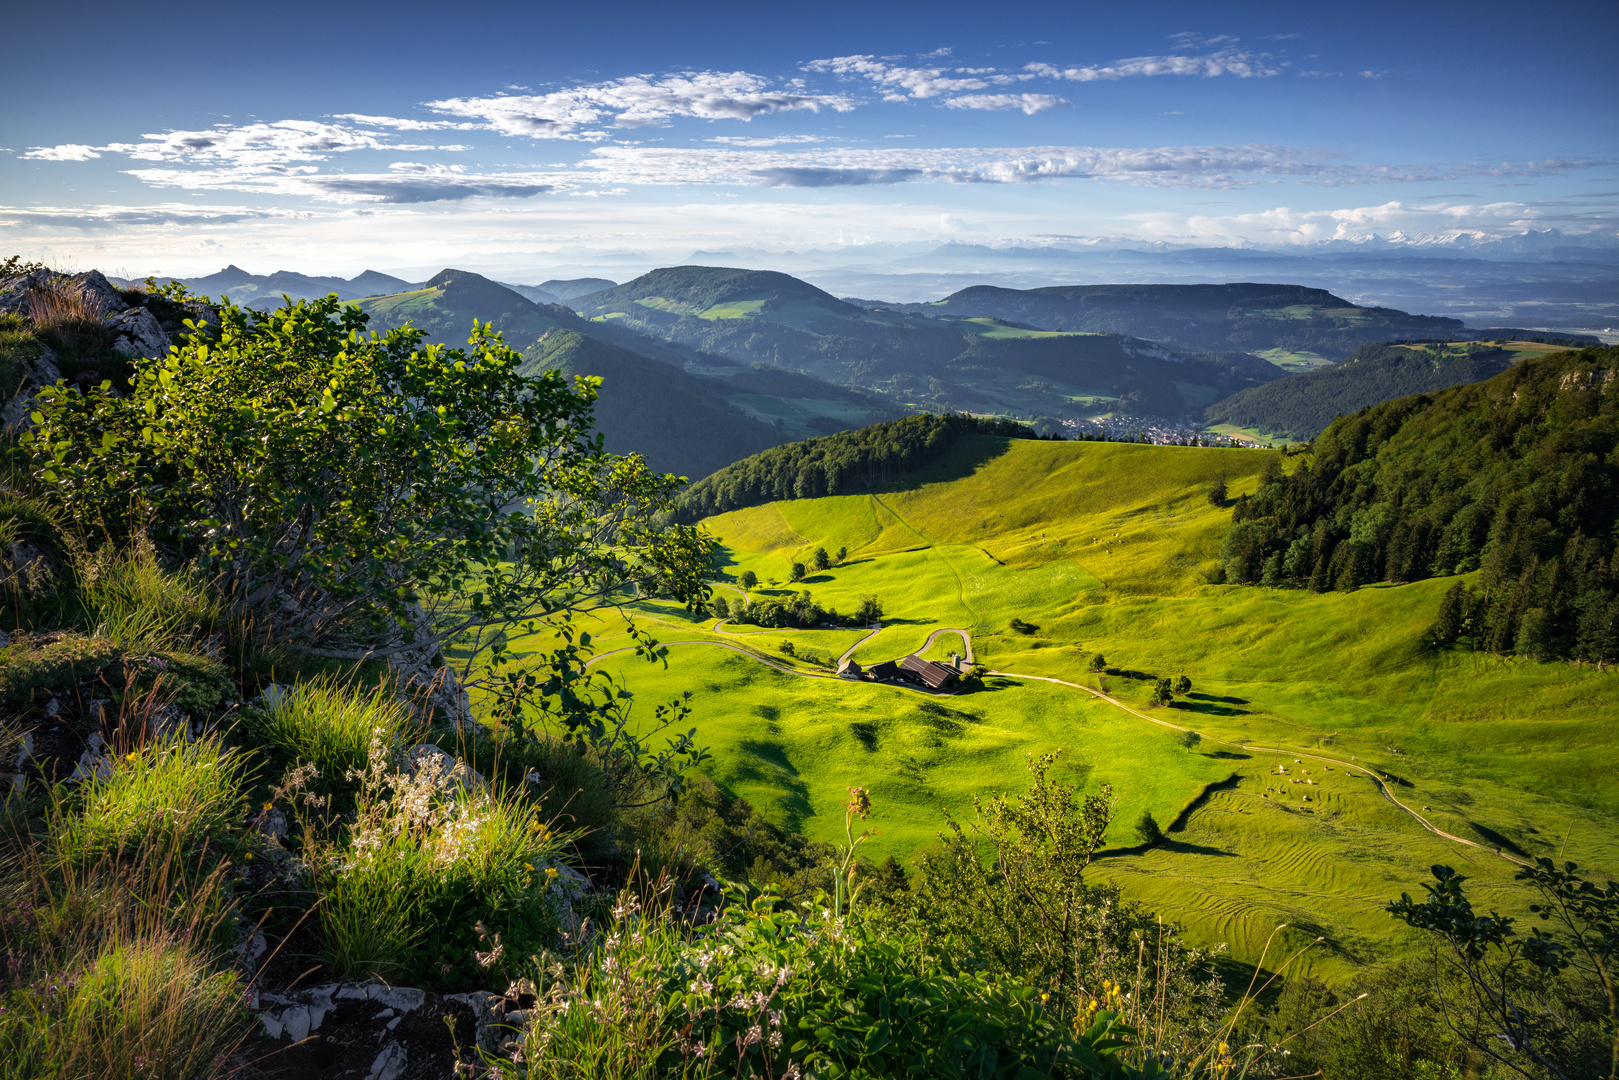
[1383, 788]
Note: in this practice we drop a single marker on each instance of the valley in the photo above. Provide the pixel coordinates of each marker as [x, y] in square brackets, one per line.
[1101, 548]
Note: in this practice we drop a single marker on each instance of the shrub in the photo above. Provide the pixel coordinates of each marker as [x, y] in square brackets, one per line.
[1098, 662]
[1182, 685]
[1014, 892]
[1147, 829]
[821, 561]
[767, 991]
[32, 670]
[798, 571]
[1189, 739]
[1018, 626]
[169, 795]
[788, 648]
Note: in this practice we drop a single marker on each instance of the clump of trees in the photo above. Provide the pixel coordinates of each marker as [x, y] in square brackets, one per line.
[796, 612]
[836, 464]
[1516, 478]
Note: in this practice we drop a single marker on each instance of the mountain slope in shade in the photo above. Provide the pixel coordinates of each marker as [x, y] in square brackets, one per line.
[1301, 407]
[681, 423]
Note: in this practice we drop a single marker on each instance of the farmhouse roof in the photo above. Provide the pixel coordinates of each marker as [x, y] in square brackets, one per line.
[935, 675]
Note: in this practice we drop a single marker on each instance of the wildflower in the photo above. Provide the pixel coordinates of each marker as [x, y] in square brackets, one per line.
[859, 802]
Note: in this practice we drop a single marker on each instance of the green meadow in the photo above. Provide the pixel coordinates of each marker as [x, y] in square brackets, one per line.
[1102, 548]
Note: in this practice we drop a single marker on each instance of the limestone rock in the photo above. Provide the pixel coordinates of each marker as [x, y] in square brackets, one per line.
[138, 333]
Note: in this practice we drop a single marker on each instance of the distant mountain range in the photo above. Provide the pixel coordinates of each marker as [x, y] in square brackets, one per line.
[929, 360]
[703, 366]
[1240, 317]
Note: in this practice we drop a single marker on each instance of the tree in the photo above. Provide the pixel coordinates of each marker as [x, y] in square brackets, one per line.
[1183, 685]
[1189, 739]
[1161, 692]
[1501, 1013]
[749, 579]
[798, 571]
[822, 560]
[870, 611]
[1217, 491]
[719, 608]
[843, 553]
[368, 496]
[1147, 829]
[1098, 662]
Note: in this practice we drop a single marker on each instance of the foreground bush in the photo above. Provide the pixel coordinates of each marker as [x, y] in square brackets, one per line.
[766, 992]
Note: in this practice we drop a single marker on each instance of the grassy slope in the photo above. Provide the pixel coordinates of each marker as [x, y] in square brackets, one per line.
[1101, 546]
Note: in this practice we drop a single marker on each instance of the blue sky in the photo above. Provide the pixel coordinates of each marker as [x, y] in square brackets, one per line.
[336, 137]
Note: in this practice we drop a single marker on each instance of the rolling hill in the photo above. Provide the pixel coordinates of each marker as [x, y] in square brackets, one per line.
[934, 361]
[1301, 407]
[681, 423]
[1279, 322]
[1317, 711]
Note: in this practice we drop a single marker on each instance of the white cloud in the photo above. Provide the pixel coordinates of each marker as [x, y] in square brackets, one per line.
[777, 140]
[900, 83]
[1229, 61]
[1029, 103]
[161, 216]
[634, 102]
[1392, 222]
[65, 152]
[413, 125]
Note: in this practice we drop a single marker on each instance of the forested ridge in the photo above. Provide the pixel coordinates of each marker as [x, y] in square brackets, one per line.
[1302, 406]
[834, 465]
[1516, 477]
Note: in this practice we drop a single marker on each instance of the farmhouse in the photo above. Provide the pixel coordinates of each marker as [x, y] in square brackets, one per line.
[933, 675]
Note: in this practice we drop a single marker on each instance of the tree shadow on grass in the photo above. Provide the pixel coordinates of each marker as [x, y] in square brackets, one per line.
[1179, 847]
[1228, 755]
[1216, 697]
[767, 762]
[1205, 709]
[1503, 842]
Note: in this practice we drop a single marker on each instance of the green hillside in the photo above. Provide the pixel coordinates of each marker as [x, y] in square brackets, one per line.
[1105, 548]
[1240, 317]
[689, 412]
[1516, 477]
[1301, 407]
[979, 365]
[451, 299]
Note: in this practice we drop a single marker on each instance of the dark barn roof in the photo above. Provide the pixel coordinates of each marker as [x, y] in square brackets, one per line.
[936, 676]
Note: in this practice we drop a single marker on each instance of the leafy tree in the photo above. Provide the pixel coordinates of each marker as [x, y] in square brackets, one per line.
[1161, 692]
[719, 608]
[788, 648]
[1189, 739]
[822, 560]
[843, 553]
[1217, 491]
[1012, 884]
[749, 579]
[1183, 685]
[1147, 829]
[369, 496]
[1501, 1012]
[798, 571]
[1098, 662]
[870, 611]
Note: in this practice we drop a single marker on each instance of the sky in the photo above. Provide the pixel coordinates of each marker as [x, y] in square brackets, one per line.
[524, 138]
